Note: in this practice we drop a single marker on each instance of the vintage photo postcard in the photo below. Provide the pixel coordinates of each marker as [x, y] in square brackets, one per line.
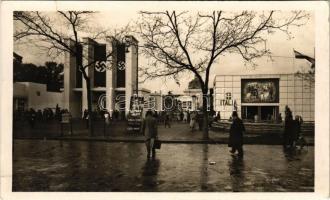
[164, 99]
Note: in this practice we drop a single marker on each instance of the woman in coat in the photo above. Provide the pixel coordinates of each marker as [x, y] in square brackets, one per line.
[193, 118]
[149, 129]
[236, 132]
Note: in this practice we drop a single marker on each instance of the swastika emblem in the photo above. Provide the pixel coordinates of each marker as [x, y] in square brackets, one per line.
[100, 66]
[121, 65]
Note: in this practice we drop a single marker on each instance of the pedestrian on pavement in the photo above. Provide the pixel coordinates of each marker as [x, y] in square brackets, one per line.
[200, 120]
[85, 117]
[181, 116]
[288, 135]
[32, 117]
[149, 129]
[155, 114]
[296, 130]
[193, 118]
[217, 118]
[39, 115]
[167, 120]
[236, 133]
[107, 117]
[279, 120]
[289, 132]
[188, 116]
[185, 116]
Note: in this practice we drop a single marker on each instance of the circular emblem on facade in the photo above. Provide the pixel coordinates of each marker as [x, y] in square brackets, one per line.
[121, 65]
[100, 66]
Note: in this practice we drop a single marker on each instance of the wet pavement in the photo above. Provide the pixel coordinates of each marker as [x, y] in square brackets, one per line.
[117, 131]
[52, 165]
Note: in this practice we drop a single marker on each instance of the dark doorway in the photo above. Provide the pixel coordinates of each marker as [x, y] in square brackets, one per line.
[263, 112]
[248, 112]
[267, 113]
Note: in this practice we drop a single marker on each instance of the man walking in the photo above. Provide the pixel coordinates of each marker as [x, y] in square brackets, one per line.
[167, 120]
[149, 129]
[236, 132]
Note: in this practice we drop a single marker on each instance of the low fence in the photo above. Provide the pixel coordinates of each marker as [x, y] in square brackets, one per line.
[307, 128]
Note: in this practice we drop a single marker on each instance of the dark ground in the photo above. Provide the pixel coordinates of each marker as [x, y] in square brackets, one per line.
[55, 165]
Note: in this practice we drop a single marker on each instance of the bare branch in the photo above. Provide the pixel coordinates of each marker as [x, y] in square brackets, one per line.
[194, 42]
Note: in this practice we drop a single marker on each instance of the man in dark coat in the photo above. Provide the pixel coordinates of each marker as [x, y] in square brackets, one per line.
[150, 131]
[288, 128]
[237, 130]
[32, 117]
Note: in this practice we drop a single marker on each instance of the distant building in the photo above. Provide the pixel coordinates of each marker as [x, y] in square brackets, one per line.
[188, 103]
[34, 95]
[264, 96]
[28, 95]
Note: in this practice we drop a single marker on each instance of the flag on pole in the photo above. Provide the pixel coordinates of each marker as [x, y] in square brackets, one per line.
[299, 55]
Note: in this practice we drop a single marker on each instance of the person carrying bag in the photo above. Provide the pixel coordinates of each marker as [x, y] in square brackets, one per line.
[150, 131]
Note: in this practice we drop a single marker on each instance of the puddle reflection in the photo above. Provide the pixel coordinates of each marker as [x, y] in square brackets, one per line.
[150, 173]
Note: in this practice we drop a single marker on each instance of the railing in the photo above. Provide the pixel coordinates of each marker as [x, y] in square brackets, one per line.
[263, 127]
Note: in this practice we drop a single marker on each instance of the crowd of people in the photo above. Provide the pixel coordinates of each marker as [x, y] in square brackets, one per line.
[291, 134]
[32, 115]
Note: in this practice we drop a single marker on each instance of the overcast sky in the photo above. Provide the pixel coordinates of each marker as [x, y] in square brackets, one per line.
[278, 43]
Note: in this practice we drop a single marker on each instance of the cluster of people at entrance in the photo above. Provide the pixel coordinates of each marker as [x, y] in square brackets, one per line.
[32, 115]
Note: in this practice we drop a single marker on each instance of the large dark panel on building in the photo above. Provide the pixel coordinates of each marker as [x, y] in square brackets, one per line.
[100, 58]
[260, 90]
[79, 63]
[121, 65]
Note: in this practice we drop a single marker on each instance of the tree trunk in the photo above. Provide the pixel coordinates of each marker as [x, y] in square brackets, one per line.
[89, 107]
[205, 116]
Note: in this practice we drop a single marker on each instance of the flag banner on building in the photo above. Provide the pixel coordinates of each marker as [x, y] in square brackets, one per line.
[121, 61]
[100, 65]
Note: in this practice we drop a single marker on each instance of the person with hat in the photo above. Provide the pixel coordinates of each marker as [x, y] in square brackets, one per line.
[236, 133]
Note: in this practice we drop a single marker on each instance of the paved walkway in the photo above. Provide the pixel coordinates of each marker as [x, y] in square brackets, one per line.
[116, 132]
[40, 165]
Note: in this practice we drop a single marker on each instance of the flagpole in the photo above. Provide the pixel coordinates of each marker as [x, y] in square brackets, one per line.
[293, 61]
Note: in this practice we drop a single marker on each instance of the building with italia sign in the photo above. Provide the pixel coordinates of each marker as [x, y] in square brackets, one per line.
[263, 96]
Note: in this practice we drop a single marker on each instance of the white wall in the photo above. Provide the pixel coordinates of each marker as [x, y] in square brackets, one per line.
[37, 95]
[295, 92]
[20, 90]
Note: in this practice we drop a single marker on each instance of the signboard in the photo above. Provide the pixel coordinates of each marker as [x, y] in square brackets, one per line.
[66, 118]
[260, 90]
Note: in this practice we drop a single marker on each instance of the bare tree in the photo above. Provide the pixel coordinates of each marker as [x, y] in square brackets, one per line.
[176, 43]
[53, 32]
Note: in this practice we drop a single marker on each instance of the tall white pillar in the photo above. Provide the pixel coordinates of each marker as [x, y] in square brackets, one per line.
[110, 83]
[70, 98]
[131, 71]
